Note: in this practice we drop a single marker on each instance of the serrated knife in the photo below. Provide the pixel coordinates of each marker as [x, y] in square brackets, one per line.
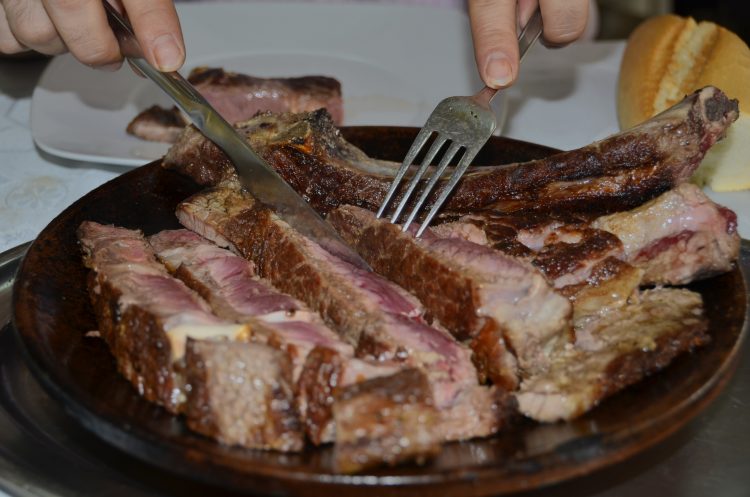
[255, 174]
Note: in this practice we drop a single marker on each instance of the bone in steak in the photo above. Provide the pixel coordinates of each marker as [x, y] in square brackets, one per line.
[618, 348]
[382, 320]
[503, 304]
[675, 238]
[238, 97]
[617, 173]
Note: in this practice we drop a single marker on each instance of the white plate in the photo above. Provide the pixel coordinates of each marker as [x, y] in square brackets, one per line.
[394, 64]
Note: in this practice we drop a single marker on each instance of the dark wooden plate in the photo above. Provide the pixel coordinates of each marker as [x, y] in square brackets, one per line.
[52, 314]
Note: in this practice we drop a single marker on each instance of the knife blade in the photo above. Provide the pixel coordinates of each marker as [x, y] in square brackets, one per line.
[255, 174]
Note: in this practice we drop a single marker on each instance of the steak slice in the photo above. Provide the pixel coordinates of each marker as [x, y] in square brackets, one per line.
[144, 314]
[227, 282]
[242, 394]
[619, 172]
[158, 124]
[678, 237]
[385, 420]
[621, 347]
[238, 97]
[380, 319]
[327, 371]
[503, 304]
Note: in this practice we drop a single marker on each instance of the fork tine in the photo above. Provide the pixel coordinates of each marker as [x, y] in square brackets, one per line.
[416, 146]
[449, 154]
[431, 153]
[455, 177]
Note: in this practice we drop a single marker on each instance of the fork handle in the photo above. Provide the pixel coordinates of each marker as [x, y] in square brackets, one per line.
[528, 36]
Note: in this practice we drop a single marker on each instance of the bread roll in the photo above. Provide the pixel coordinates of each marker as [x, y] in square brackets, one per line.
[668, 57]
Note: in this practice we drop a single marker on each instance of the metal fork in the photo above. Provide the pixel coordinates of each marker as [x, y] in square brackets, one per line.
[464, 122]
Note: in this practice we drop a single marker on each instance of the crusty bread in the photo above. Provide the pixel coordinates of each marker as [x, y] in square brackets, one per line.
[670, 56]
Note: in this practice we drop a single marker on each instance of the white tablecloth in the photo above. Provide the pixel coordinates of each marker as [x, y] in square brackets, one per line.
[34, 187]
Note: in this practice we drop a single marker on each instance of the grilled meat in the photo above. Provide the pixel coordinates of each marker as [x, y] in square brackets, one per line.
[143, 313]
[613, 350]
[504, 305]
[619, 172]
[385, 420]
[242, 394]
[380, 319]
[677, 238]
[238, 97]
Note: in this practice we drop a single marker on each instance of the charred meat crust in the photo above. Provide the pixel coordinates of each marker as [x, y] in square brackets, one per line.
[504, 304]
[144, 357]
[616, 173]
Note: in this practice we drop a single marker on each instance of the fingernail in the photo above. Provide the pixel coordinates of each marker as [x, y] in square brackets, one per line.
[111, 67]
[167, 53]
[498, 70]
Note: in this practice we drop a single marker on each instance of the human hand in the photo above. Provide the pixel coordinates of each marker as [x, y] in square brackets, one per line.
[80, 26]
[494, 29]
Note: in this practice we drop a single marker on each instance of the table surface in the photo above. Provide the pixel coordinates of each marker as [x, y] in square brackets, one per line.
[710, 456]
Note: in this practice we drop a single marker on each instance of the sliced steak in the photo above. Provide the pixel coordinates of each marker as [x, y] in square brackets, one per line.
[622, 346]
[380, 319]
[326, 372]
[678, 237]
[158, 124]
[385, 420]
[242, 394]
[503, 304]
[144, 314]
[228, 283]
[619, 172]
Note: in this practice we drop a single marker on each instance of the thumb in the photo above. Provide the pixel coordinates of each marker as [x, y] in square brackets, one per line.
[493, 28]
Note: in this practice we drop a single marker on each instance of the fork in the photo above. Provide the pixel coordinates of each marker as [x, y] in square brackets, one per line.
[463, 122]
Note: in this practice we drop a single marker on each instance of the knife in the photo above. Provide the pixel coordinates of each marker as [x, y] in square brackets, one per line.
[255, 174]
